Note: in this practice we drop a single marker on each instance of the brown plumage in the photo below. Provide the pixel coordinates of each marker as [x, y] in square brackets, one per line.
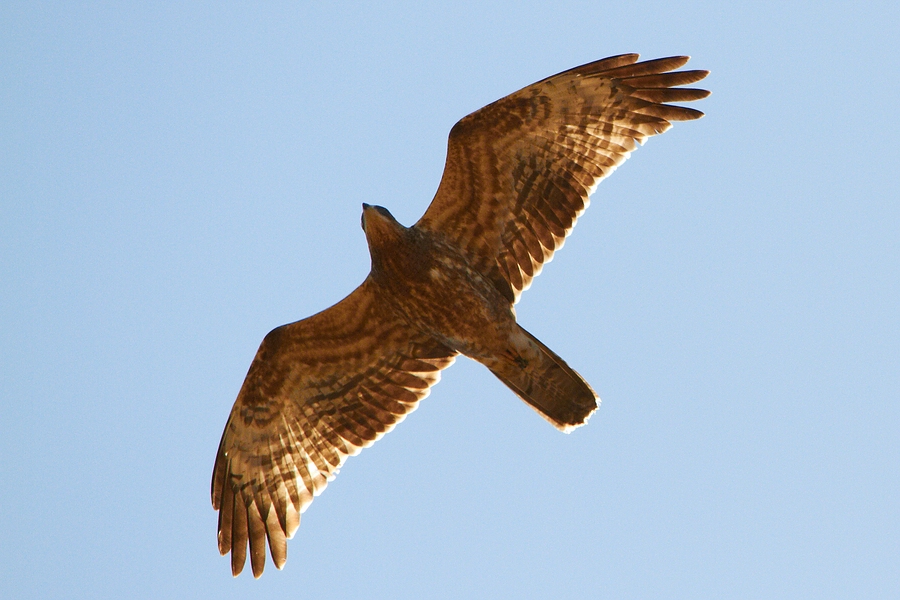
[519, 172]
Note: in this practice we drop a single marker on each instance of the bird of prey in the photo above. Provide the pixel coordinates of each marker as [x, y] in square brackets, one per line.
[519, 172]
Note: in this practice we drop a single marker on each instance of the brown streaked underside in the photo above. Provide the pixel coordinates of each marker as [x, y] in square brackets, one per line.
[518, 174]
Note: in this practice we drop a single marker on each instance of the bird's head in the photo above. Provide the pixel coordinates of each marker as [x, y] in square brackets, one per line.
[388, 239]
[379, 224]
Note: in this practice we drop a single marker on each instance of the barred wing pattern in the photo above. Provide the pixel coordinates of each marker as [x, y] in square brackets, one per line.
[319, 390]
[520, 171]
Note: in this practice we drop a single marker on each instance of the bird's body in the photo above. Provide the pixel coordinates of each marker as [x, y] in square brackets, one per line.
[419, 275]
[519, 172]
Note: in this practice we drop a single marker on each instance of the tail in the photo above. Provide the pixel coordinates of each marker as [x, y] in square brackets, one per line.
[543, 380]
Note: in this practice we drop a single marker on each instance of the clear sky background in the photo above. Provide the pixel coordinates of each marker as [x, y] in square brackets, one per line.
[176, 179]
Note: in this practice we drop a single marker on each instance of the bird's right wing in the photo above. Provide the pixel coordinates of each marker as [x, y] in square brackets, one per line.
[318, 391]
[520, 171]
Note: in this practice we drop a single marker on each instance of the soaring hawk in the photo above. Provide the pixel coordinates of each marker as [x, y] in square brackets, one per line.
[519, 173]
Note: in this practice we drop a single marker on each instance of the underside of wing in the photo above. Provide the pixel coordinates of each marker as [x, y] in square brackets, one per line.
[319, 390]
[520, 171]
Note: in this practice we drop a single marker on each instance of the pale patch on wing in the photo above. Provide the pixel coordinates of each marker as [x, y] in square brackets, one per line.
[319, 390]
[520, 171]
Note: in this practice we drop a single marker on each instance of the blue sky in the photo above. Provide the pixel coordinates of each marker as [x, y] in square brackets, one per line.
[178, 179]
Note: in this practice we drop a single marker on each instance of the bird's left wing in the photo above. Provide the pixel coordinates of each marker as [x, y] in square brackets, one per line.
[318, 391]
[520, 171]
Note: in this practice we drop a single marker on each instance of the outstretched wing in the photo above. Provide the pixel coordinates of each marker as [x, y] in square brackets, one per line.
[318, 391]
[519, 172]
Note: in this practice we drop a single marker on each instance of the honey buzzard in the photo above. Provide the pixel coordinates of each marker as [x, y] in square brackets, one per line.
[519, 173]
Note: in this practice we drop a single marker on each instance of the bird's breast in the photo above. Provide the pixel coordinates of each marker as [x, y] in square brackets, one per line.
[438, 292]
